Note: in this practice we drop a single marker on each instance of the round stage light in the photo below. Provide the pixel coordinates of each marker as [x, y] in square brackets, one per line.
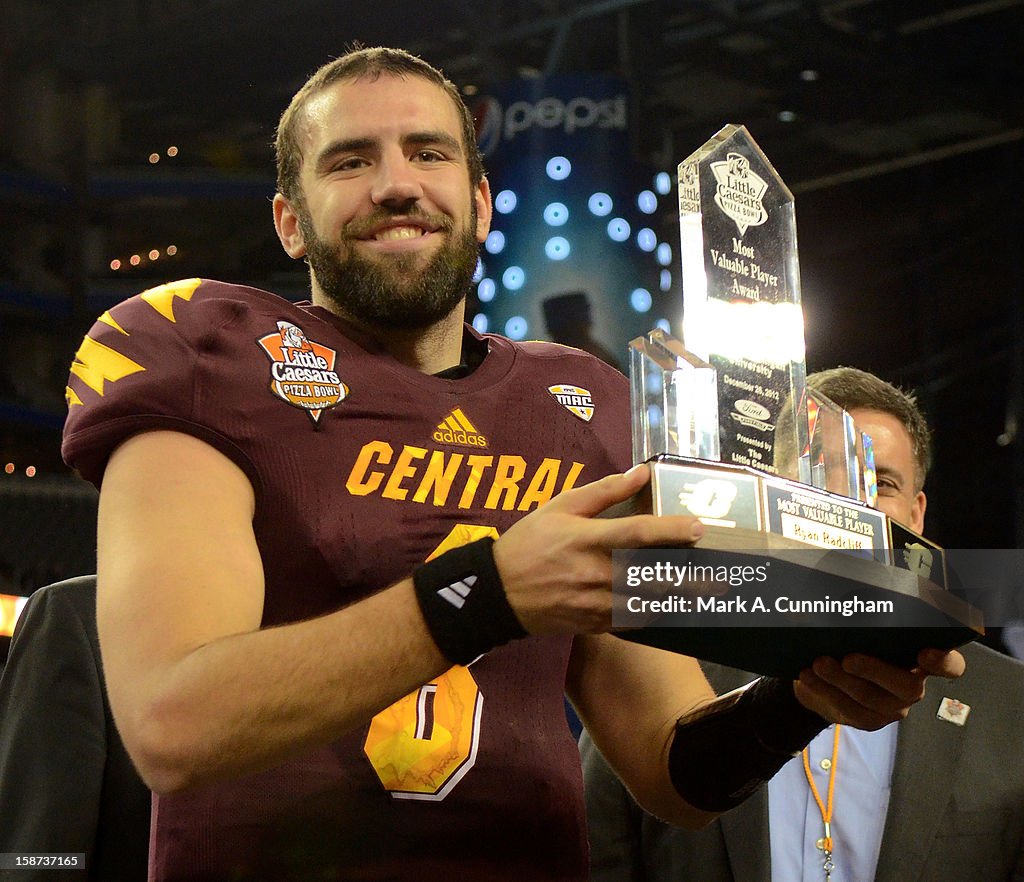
[600, 204]
[618, 229]
[555, 214]
[558, 168]
[557, 248]
[495, 242]
[513, 278]
[516, 327]
[647, 239]
[640, 299]
[486, 290]
[505, 202]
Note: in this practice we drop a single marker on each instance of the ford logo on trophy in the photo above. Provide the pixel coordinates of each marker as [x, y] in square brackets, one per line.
[796, 562]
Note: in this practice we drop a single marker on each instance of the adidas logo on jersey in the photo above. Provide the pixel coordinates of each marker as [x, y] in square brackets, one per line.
[457, 429]
[457, 592]
[574, 399]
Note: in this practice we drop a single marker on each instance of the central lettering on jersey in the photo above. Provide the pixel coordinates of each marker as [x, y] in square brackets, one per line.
[437, 477]
[577, 401]
[302, 371]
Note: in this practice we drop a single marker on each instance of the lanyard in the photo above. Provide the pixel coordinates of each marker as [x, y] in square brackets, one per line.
[825, 809]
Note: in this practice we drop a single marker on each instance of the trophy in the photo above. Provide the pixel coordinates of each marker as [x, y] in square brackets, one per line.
[781, 477]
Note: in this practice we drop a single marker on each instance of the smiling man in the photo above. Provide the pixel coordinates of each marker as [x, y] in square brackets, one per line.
[347, 560]
[422, 237]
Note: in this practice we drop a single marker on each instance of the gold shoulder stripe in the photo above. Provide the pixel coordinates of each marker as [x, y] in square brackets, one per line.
[108, 319]
[95, 363]
[162, 297]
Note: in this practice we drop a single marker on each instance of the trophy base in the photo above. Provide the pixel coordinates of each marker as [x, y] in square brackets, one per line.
[782, 652]
[864, 584]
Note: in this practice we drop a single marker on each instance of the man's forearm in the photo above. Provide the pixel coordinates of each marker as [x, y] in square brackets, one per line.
[244, 702]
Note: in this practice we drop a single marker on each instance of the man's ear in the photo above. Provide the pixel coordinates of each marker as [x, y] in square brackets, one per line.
[484, 208]
[917, 512]
[286, 222]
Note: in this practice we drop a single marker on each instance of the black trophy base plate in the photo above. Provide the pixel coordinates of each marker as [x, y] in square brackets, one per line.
[926, 616]
[785, 652]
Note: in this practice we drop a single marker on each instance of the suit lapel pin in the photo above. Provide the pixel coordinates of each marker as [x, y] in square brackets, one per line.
[953, 710]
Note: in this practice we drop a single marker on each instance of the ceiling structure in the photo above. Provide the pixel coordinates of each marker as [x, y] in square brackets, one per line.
[898, 124]
[865, 82]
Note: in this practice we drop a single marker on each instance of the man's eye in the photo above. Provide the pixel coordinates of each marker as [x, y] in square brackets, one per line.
[429, 156]
[353, 162]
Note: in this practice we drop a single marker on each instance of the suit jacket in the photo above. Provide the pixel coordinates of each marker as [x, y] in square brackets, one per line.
[66, 782]
[956, 812]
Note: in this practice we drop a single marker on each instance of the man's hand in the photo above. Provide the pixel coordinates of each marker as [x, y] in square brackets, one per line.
[867, 693]
[556, 563]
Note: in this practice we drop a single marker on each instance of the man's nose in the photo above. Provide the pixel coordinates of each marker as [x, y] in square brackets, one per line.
[396, 182]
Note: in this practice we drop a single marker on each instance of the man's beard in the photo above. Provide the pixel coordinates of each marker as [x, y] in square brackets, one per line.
[390, 291]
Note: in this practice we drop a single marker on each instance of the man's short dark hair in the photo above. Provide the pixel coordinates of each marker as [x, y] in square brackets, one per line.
[357, 64]
[853, 389]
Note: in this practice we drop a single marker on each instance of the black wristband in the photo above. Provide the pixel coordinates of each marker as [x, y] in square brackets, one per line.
[724, 751]
[464, 604]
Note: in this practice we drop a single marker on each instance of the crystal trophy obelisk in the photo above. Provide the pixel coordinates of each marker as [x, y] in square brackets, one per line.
[736, 438]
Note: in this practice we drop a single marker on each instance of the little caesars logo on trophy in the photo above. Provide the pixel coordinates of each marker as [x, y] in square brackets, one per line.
[741, 293]
[735, 437]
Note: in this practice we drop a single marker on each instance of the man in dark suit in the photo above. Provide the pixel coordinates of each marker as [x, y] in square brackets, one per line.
[66, 782]
[956, 811]
[956, 805]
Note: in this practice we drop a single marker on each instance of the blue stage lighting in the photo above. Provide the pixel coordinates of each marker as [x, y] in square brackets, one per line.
[480, 323]
[557, 248]
[505, 202]
[555, 214]
[664, 254]
[663, 183]
[495, 242]
[640, 299]
[647, 239]
[618, 229]
[478, 273]
[486, 290]
[558, 168]
[513, 278]
[516, 327]
[665, 282]
[647, 202]
[664, 325]
[600, 204]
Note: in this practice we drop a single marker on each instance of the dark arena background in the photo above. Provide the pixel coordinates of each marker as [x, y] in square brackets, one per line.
[135, 148]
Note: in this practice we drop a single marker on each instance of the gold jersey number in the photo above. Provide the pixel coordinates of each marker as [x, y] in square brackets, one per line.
[422, 745]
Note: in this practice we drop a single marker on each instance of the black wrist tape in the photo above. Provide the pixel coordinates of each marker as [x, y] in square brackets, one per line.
[725, 750]
[464, 603]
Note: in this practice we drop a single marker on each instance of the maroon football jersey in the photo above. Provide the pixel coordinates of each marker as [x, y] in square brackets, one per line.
[362, 469]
